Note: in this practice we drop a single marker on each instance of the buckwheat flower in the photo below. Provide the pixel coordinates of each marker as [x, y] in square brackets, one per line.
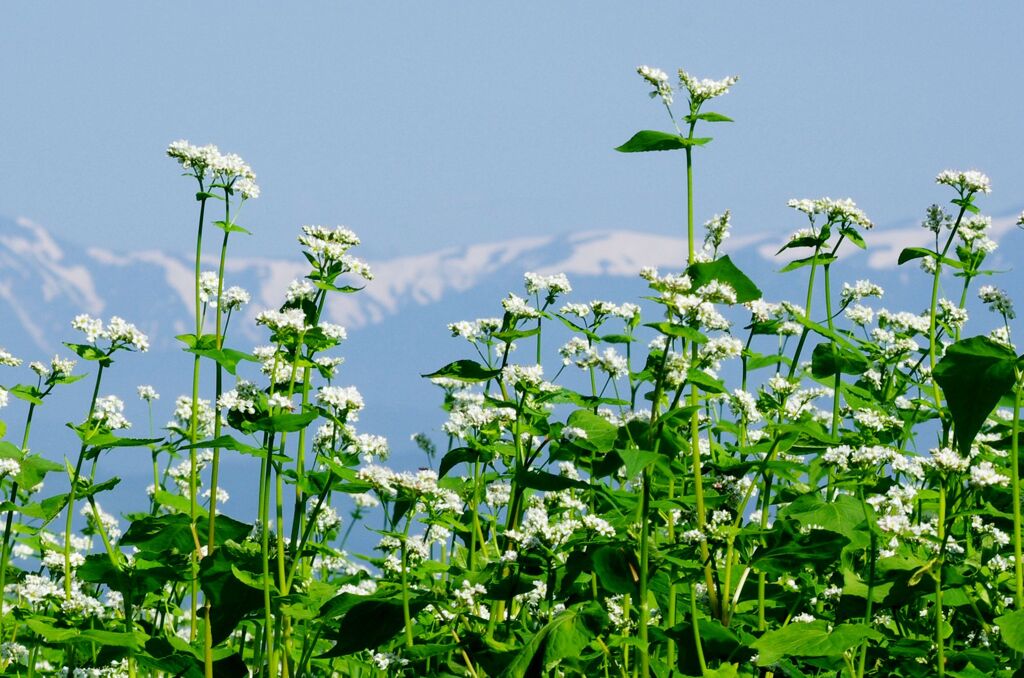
[109, 522]
[109, 411]
[720, 348]
[599, 525]
[946, 459]
[860, 315]
[92, 327]
[235, 297]
[371, 447]
[762, 311]
[39, 368]
[903, 321]
[951, 314]
[703, 89]
[208, 283]
[332, 331]
[280, 400]
[357, 266]
[231, 165]
[300, 290]
[803, 618]
[744, 405]
[1001, 335]
[985, 475]
[291, 319]
[874, 420]
[233, 401]
[971, 181]
[328, 366]
[612, 363]
[326, 518]
[936, 220]
[9, 467]
[121, 332]
[247, 188]
[862, 289]
[717, 231]
[658, 79]
[843, 211]
[573, 433]
[803, 205]
[222, 495]
[517, 306]
[553, 285]
[183, 416]
[190, 157]
[148, 393]
[14, 652]
[341, 398]
[578, 310]
[365, 500]
[529, 376]
[7, 359]
[997, 300]
[3, 397]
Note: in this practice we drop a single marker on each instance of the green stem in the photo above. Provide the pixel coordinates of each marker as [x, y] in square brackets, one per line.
[6, 553]
[74, 487]
[932, 354]
[941, 530]
[193, 429]
[406, 615]
[1018, 560]
[642, 612]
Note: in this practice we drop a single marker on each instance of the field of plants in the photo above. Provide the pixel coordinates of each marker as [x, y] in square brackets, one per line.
[701, 482]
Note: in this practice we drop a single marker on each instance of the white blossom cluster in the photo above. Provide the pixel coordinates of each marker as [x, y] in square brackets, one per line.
[475, 331]
[8, 360]
[861, 289]
[835, 211]
[997, 300]
[109, 411]
[716, 231]
[966, 182]
[328, 244]
[552, 285]
[345, 398]
[228, 167]
[703, 89]
[118, 331]
[658, 79]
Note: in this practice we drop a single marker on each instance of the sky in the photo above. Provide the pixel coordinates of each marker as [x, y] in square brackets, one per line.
[428, 125]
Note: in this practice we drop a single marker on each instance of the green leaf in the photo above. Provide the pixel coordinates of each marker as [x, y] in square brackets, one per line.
[171, 532]
[709, 117]
[723, 270]
[89, 352]
[1011, 629]
[638, 460]
[464, 370]
[841, 515]
[281, 423]
[974, 374]
[27, 393]
[461, 455]
[827, 360]
[705, 381]
[368, 624]
[600, 433]
[811, 639]
[821, 259]
[616, 569]
[50, 632]
[228, 358]
[674, 330]
[564, 636]
[231, 227]
[651, 140]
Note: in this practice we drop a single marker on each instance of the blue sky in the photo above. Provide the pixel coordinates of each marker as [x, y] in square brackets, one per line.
[422, 125]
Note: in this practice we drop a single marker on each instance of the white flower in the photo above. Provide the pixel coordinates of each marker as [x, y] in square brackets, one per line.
[291, 319]
[997, 300]
[299, 290]
[716, 231]
[109, 410]
[332, 331]
[971, 181]
[341, 398]
[148, 393]
[551, 284]
[517, 306]
[208, 283]
[246, 187]
[235, 297]
[7, 359]
[9, 467]
[92, 327]
[702, 90]
[985, 474]
[280, 400]
[860, 290]
[658, 79]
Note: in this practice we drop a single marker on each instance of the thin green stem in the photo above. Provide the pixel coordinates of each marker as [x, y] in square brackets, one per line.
[1018, 560]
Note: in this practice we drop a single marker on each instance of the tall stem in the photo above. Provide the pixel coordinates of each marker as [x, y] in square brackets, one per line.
[941, 533]
[1018, 561]
[193, 428]
[74, 488]
[6, 553]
